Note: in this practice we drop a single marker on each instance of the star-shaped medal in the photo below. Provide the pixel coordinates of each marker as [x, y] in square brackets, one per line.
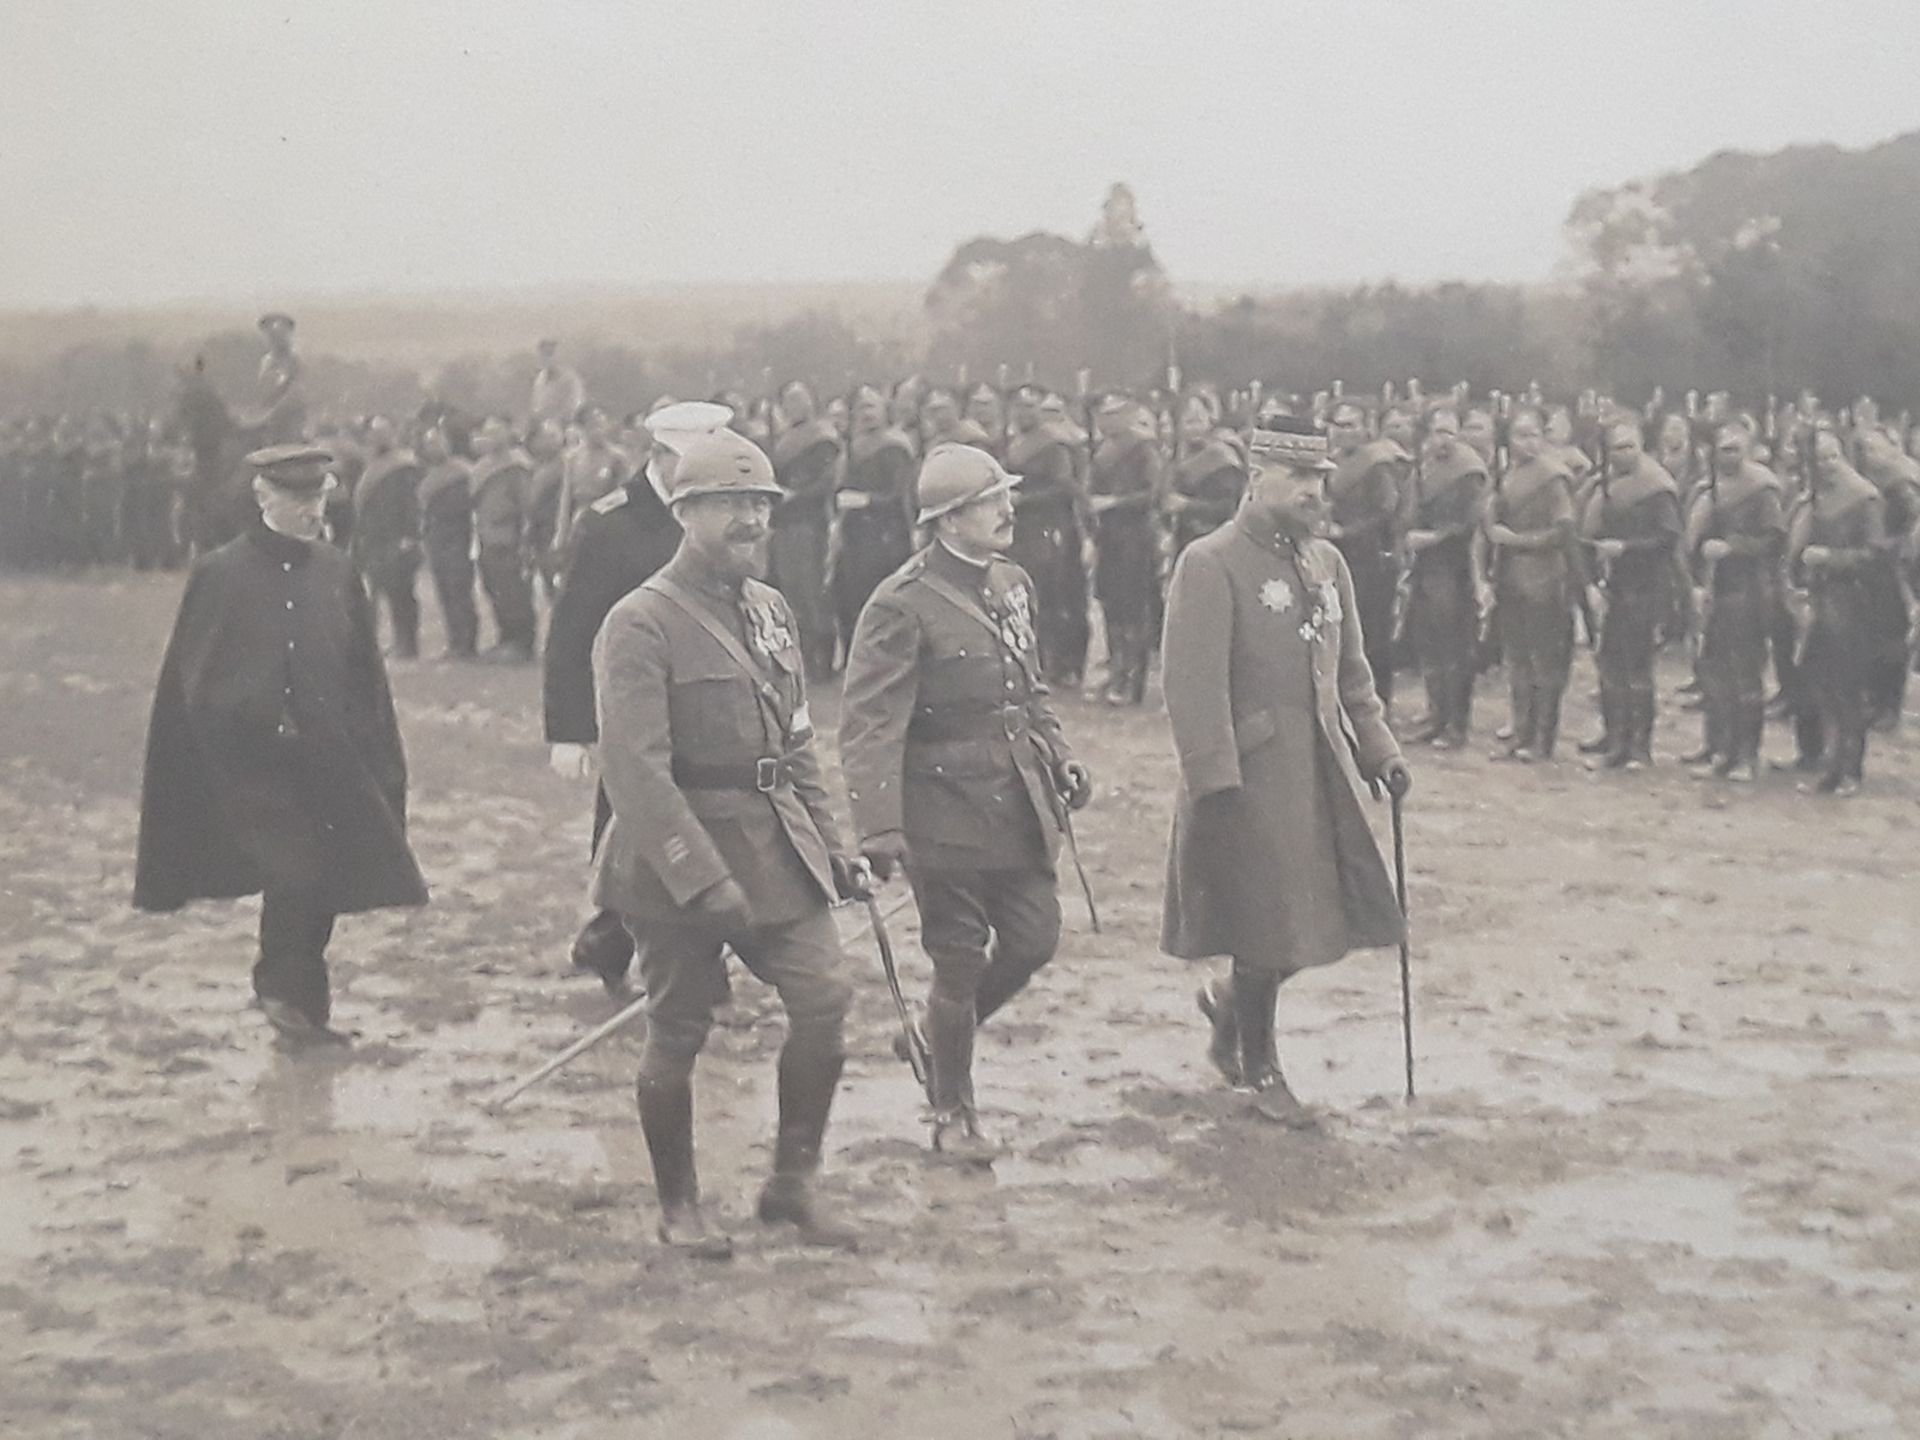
[1277, 596]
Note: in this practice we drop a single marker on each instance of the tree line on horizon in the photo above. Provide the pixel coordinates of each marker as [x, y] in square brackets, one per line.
[1756, 274]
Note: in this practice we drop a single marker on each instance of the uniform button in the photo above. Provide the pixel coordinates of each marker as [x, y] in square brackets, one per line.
[286, 565]
[289, 604]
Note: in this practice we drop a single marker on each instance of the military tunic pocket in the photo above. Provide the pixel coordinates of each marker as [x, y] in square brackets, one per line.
[713, 713]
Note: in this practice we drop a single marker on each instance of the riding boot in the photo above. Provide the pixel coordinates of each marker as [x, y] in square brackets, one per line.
[807, 1083]
[1435, 723]
[1546, 716]
[1223, 1050]
[1254, 994]
[1716, 733]
[1605, 742]
[1525, 721]
[1640, 738]
[956, 1130]
[1463, 682]
[1747, 726]
[666, 1119]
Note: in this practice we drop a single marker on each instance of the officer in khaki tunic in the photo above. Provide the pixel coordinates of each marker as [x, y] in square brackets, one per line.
[722, 834]
[957, 769]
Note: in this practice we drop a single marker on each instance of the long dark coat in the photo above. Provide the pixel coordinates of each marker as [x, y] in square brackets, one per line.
[1273, 861]
[273, 757]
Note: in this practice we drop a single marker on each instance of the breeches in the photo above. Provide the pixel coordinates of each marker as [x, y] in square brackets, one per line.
[684, 972]
[1536, 638]
[1733, 649]
[453, 584]
[1625, 656]
[1048, 549]
[1125, 570]
[510, 592]
[964, 914]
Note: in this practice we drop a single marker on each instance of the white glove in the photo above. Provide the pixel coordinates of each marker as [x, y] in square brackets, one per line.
[571, 762]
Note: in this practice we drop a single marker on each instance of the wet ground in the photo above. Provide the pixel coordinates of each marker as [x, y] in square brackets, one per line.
[1663, 1178]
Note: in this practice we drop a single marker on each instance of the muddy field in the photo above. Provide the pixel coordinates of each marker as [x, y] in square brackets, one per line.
[1663, 1178]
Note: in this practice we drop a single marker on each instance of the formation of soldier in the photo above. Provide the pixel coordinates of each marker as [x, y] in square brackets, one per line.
[709, 563]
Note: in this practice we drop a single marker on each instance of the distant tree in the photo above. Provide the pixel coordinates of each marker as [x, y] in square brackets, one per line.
[1760, 273]
[1053, 306]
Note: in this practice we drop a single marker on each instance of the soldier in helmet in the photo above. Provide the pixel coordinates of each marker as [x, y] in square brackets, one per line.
[957, 769]
[623, 538]
[722, 834]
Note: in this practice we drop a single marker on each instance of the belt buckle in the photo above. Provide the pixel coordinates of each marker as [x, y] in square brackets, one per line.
[766, 774]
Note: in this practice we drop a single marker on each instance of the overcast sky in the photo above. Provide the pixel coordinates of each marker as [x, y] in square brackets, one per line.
[164, 149]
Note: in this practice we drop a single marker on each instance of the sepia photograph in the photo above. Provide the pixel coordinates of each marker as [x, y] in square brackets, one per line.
[1023, 721]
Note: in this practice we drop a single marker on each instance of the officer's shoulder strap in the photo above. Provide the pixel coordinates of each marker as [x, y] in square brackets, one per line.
[683, 600]
[958, 599]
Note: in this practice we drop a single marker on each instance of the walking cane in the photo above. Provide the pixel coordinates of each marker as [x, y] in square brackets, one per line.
[573, 1052]
[1406, 943]
[916, 1047]
[634, 1009]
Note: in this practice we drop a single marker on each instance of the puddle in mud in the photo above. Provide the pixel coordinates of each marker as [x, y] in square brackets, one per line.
[1475, 1281]
[893, 1317]
[465, 1245]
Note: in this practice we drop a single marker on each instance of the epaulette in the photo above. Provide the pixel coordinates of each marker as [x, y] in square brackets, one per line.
[611, 501]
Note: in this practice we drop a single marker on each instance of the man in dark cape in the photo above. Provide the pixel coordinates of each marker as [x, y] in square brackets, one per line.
[274, 764]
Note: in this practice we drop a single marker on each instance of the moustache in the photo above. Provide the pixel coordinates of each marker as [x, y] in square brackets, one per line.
[746, 534]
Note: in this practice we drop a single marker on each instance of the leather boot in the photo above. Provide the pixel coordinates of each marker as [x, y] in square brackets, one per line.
[1455, 697]
[666, 1119]
[956, 1129]
[1142, 652]
[1604, 743]
[1716, 740]
[1526, 723]
[1435, 723]
[1546, 716]
[1750, 718]
[807, 1083]
[1223, 1050]
[1253, 1000]
[1640, 736]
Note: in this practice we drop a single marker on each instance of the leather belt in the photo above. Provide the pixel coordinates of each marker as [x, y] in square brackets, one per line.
[933, 727]
[764, 775]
